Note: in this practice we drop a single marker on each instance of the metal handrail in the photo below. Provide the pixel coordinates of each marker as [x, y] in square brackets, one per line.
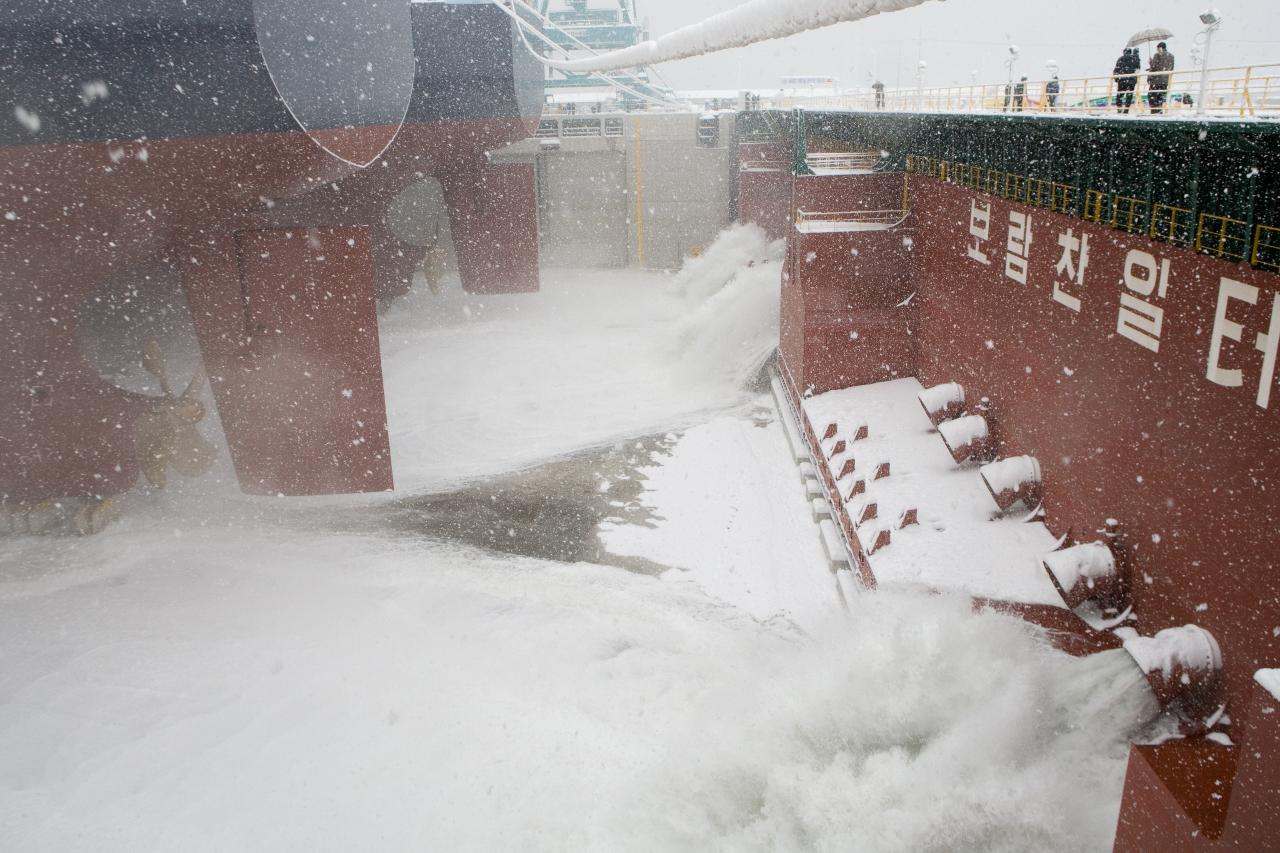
[875, 217]
[1238, 91]
[764, 165]
[1209, 234]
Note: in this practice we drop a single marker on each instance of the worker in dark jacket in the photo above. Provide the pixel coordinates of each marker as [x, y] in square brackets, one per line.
[1125, 73]
[1158, 83]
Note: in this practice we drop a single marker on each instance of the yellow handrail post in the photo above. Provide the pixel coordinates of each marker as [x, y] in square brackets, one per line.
[639, 191]
[1244, 99]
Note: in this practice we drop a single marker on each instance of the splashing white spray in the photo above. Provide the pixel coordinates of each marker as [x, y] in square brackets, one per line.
[733, 294]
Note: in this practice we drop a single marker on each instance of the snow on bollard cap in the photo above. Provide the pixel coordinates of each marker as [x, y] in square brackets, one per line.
[943, 402]
[1270, 681]
[1183, 666]
[1086, 573]
[1011, 480]
[965, 437]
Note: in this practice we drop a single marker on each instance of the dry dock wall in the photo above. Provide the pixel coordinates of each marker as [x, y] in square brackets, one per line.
[646, 195]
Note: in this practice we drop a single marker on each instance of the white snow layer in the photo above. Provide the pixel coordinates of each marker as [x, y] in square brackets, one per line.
[963, 431]
[482, 385]
[957, 545]
[218, 672]
[1185, 649]
[1270, 681]
[1086, 562]
[753, 21]
[732, 511]
[937, 398]
[270, 690]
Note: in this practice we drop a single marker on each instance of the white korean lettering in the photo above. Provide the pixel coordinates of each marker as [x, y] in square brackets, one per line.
[979, 230]
[1139, 320]
[1019, 247]
[1155, 277]
[1071, 268]
[1267, 345]
[1224, 329]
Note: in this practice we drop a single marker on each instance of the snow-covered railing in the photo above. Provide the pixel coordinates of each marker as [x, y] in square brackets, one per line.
[753, 21]
[851, 161]
[764, 165]
[810, 222]
[1237, 92]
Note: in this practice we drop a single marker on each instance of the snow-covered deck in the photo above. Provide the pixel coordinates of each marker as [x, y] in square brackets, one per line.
[958, 544]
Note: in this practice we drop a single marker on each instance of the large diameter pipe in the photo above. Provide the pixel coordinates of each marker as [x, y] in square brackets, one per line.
[753, 21]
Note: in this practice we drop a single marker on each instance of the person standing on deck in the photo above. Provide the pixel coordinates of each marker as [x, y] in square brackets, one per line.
[1126, 78]
[879, 90]
[1051, 90]
[1158, 83]
[1019, 95]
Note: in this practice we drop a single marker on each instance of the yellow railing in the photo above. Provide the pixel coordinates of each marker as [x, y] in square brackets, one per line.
[1039, 192]
[1219, 236]
[1097, 206]
[1062, 197]
[1171, 225]
[1129, 214]
[1247, 90]
[1266, 248]
[1223, 237]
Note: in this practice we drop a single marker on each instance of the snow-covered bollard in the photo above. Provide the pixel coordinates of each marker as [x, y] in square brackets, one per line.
[874, 537]
[966, 437]
[1086, 572]
[849, 466]
[1184, 668]
[943, 402]
[908, 517]
[1011, 480]
[869, 511]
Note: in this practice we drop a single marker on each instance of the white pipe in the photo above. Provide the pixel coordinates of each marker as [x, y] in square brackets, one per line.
[523, 27]
[1204, 69]
[753, 21]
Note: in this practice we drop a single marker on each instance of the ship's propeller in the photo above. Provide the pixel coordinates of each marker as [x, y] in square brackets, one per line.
[166, 435]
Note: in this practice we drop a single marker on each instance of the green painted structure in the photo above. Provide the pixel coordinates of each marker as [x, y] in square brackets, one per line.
[1209, 185]
[613, 27]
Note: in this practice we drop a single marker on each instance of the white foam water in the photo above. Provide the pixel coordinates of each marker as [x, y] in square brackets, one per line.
[733, 293]
[915, 725]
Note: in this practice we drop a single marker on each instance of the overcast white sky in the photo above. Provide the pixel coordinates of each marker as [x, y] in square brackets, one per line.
[958, 37]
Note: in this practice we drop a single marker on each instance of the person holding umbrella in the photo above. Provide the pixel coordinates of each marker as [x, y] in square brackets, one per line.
[1157, 89]
[1158, 82]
